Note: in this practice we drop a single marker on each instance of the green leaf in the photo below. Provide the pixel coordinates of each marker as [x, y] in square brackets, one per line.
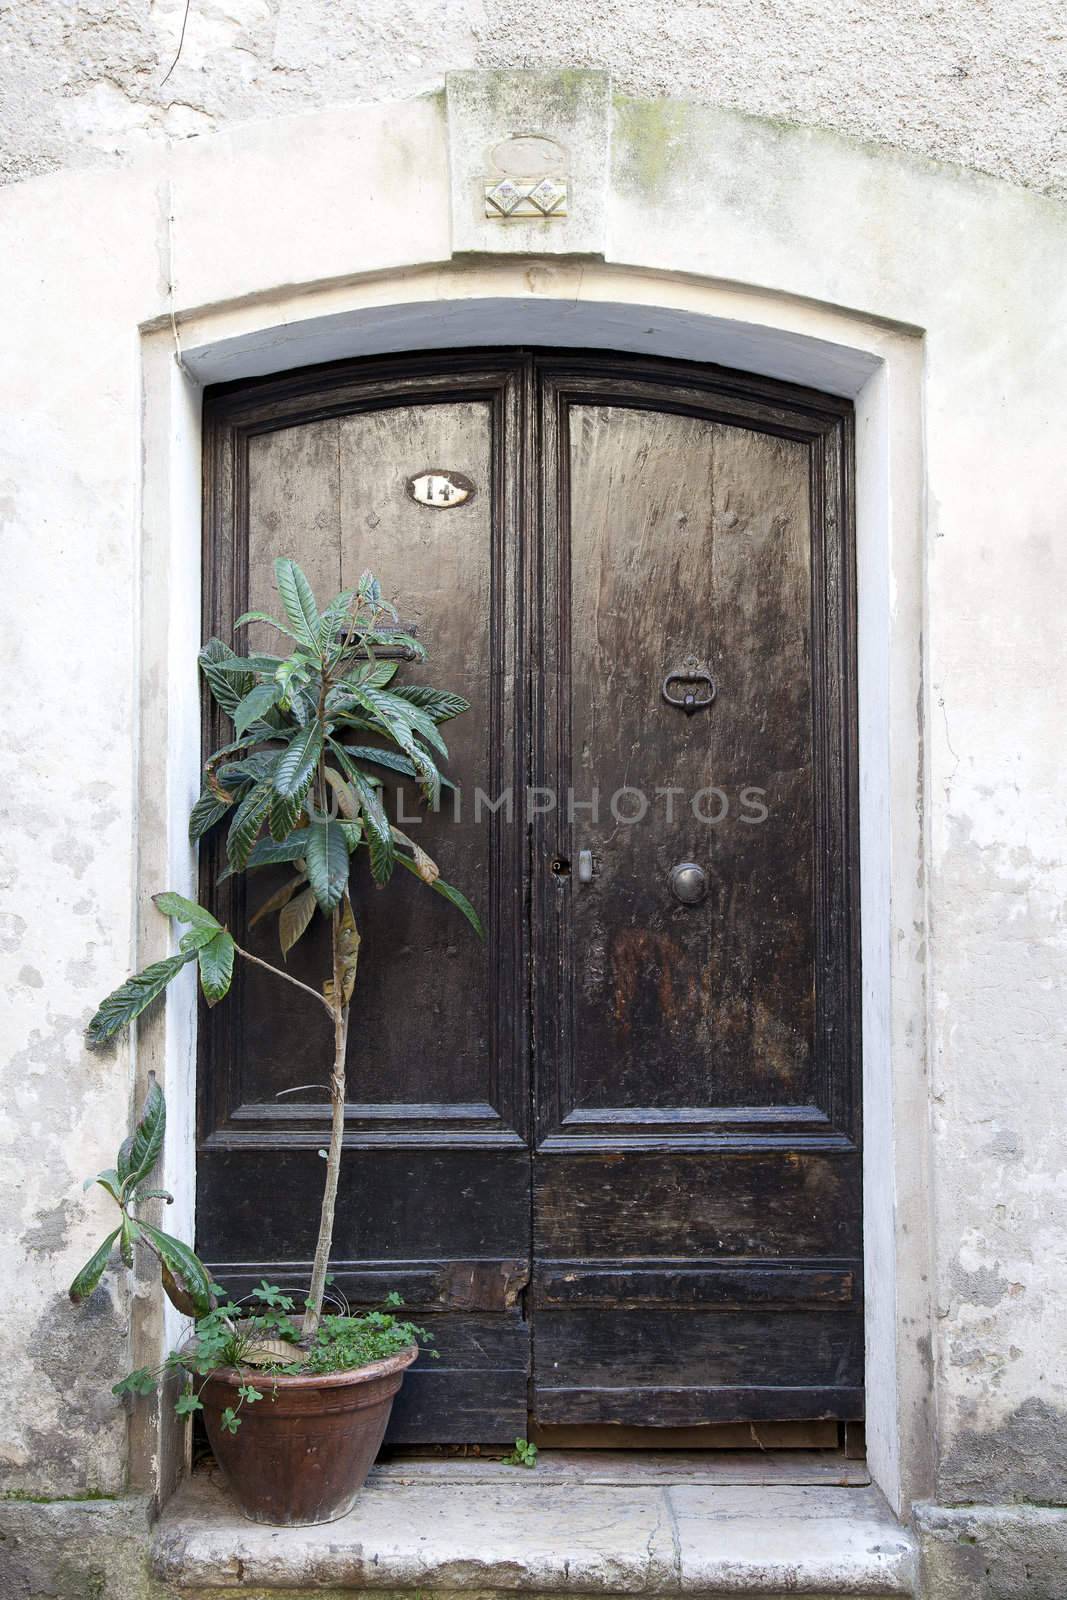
[295, 918]
[196, 938]
[128, 1232]
[437, 703]
[255, 704]
[131, 998]
[387, 758]
[208, 810]
[353, 832]
[299, 601]
[379, 833]
[451, 894]
[327, 863]
[334, 624]
[285, 809]
[140, 1381]
[189, 1286]
[378, 674]
[93, 1270]
[262, 616]
[298, 762]
[244, 829]
[147, 1139]
[227, 689]
[182, 910]
[236, 666]
[390, 708]
[216, 967]
[267, 852]
[186, 1404]
[109, 1180]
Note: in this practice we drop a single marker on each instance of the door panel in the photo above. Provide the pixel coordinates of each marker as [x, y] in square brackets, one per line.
[434, 1195]
[611, 1158]
[696, 1150]
[689, 538]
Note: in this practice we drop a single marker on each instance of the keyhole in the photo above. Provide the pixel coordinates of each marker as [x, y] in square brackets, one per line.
[561, 867]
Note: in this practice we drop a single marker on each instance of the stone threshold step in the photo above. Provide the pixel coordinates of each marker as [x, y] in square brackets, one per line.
[495, 1531]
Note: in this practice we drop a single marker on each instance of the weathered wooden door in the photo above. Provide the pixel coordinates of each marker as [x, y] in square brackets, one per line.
[612, 1158]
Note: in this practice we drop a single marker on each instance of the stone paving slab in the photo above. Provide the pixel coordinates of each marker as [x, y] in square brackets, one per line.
[547, 1537]
[635, 1466]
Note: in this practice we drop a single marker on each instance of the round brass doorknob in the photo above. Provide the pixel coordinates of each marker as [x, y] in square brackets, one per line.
[689, 883]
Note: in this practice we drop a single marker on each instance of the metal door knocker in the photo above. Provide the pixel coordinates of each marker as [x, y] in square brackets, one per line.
[699, 686]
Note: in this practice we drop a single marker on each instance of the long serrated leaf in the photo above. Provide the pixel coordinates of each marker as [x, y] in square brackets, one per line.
[298, 598]
[244, 829]
[128, 1232]
[353, 832]
[227, 688]
[247, 617]
[131, 998]
[148, 1135]
[455, 896]
[216, 967]
[291, 773]
[196, 938]
[428, 777]
[390, 709]
[334, 624]
[268, 852]
[377, 674]
[285, 809]
[436, 703]
[327, 863]
[278, 899]
[295, 918]
[93, 1270]
[390, 759]
[236, 666]
[188, 1273]
[255, 704]
[183, 910]
[208, 810]
[378, 832]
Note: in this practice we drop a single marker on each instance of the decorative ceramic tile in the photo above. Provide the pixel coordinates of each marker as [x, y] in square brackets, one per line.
[545, 198]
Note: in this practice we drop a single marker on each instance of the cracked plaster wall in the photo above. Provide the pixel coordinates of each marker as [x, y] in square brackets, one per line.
[980, 84]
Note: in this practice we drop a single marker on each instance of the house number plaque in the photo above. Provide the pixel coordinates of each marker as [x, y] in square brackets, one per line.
[440, 489]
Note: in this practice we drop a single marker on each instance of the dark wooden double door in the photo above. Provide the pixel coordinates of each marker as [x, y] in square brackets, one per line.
[611, 1157]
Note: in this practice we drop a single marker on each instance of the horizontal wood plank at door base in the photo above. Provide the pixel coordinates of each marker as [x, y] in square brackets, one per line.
[686, 1407]
[745, 1436]
[632, 1285]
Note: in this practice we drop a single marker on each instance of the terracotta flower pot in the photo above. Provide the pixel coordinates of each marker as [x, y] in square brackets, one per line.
[302, 1453]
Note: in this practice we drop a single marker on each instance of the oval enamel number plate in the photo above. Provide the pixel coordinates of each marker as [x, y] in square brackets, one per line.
[442, 490]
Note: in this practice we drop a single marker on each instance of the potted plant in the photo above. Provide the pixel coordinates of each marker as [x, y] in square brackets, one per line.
[295, 1408]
